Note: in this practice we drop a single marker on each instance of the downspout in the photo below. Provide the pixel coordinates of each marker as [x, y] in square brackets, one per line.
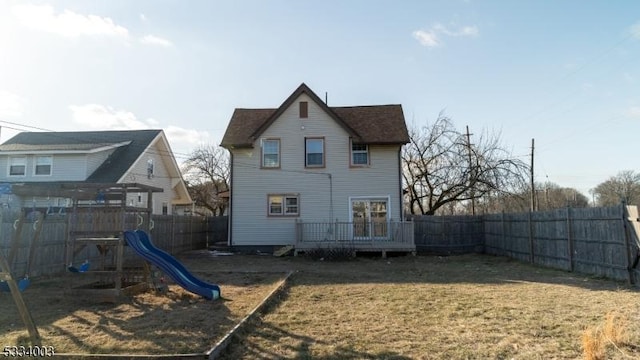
[400, 184]
[230, 210]
[330, 198]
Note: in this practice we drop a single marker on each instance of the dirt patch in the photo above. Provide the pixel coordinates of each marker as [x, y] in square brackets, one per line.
[147, 323]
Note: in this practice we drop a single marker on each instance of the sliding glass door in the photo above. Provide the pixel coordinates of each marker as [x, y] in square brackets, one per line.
[370, 218]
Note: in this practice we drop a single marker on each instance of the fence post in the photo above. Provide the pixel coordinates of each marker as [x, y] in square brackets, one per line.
[532, 258]
[627, 243]
[504, 233]
[569, 238]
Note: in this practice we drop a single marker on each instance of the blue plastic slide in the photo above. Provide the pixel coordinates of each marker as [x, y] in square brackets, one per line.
[142, 245]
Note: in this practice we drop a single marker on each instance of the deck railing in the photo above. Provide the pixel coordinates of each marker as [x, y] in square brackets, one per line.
[383, 235]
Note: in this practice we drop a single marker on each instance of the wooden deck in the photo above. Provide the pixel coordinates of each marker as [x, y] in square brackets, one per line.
[357, 237]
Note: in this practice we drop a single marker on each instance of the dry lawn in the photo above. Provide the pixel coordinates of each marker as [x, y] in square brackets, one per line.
[461, 307]
[464, 307]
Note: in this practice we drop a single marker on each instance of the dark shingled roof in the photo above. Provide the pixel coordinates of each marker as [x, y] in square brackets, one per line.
[111, 170]
[374, 124]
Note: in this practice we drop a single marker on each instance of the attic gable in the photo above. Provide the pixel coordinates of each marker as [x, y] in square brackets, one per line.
[373, 124]
[302, 89]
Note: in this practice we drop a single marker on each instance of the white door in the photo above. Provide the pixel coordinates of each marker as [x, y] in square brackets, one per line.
[370, 218]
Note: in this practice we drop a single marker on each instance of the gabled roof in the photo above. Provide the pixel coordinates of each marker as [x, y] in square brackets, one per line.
[129, 147]
[374, 124]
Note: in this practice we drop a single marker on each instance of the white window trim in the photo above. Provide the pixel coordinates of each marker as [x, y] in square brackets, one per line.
[284, 205]
[262, 153]
[386, 198]
[35, 165]
[352, 152]
[10, 163]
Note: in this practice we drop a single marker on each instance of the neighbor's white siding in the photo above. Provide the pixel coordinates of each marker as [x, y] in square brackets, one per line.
[70, 167]
[160, 178]
[64, 167]
[251, 184]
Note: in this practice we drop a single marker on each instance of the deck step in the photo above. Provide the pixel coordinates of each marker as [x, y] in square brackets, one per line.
[283, 251]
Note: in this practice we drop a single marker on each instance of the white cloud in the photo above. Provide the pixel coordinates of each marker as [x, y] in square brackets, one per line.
[100, 117]
[67, 23]
[635, 30]
[11, 105]
[431, 37]
[186, 140]
[143, 17]
[471, 31]
[634, 111]
[155, 40]
[426, 38]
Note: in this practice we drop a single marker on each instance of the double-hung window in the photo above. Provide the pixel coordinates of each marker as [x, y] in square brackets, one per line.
[271, 153]
[43, 165]
[17, 165]
[314, 152]
[359, 154]
[283, 205]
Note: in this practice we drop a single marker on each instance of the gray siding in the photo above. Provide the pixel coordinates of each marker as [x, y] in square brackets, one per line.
[65, 167]
[317, 190]
[93, 161]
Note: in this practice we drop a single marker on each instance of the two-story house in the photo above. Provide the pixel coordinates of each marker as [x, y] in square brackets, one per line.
[95, 157]
[306, 170]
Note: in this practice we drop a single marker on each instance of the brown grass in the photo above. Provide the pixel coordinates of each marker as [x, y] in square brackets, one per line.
[462, 307]
[593, 344]
[613, 334]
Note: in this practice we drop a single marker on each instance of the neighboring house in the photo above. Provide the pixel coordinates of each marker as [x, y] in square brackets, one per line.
[306, 162]
[97, 157]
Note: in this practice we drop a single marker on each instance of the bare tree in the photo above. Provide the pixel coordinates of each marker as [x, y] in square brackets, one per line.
[441, 167]
[553, 196]
[207, 175]
[625, 186]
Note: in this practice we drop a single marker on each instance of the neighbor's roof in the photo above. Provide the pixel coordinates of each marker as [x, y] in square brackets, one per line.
[373, 124]
[129, 144]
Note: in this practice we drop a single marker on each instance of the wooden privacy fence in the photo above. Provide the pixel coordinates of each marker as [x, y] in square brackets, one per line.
[171, 233]
[598, 241]
[455, 234]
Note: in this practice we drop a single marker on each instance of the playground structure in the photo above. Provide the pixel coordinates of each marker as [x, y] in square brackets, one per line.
[141, 243]
[8, 281]
[97, 219]
[100, 215]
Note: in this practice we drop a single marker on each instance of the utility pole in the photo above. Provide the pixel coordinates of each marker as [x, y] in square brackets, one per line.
[533, 186]
[472, 172]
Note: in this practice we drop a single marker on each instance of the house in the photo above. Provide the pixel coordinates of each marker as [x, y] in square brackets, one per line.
[94, 157]
[307, 174]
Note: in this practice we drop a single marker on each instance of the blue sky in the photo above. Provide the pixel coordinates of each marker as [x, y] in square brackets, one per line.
[566, 73]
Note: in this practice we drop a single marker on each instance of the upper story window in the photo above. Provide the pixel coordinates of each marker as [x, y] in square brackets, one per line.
[359, 154]
[304, 109]
[271, 153]
[314, 152]
[42, 165]
[17, 165]
[150, 169]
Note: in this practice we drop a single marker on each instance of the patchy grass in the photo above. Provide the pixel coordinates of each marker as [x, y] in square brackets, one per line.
[466, 307]
[460, 307]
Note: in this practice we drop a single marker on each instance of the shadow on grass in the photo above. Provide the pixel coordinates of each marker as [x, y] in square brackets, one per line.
[471, 268]
[266, 336]
[150, 323]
